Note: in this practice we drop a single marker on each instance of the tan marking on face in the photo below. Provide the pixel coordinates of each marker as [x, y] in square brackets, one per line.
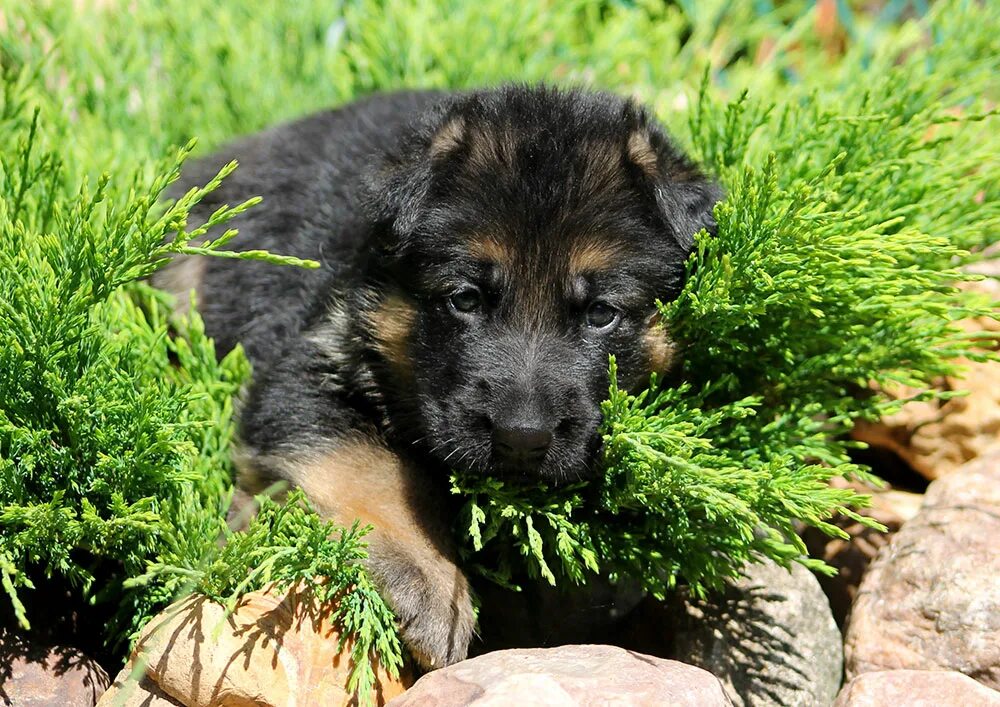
[491, 149]
[592, 255]
[391, 324]
[659, 347]
[491, 249]
[641, 152]
[448, 138]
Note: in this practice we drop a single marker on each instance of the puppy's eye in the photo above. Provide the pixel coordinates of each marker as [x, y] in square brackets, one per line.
[466, 300]
[601, 315]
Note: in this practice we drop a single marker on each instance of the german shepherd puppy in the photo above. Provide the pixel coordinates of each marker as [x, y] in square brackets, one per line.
[482, 255]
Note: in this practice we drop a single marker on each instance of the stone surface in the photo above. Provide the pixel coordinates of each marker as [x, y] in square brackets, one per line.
[851, 557]
[936, 437]
[931, 599]
[33, 675]
[275, 649]
[131, 690]
[770, 638]
[916, 688]
[578, 676]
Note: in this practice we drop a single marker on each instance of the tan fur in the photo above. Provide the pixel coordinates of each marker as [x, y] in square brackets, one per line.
[410, 555]
[448, 138]
[604, 167]
[491, 250]
[592, 255]
[392, 322]
[660, 348]
[487, 150]
[641, 152]
[359, 480]
[365, 481]
[183, 274]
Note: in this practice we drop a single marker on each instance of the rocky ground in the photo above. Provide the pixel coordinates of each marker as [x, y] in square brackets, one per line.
[923, 627]
[912, 617]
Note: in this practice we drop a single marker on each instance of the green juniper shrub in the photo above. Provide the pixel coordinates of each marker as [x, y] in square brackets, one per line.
[115, 476]
[856, 183]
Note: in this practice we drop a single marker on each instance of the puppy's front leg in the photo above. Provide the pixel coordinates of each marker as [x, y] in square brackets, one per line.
[410, 556]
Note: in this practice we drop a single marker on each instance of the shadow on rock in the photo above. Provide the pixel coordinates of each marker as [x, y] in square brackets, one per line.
[36, 674]
[279, 647]
[770, 637]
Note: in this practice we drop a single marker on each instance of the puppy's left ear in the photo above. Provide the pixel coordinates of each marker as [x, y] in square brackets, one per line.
[396, 189]
[685, 195]
[393, 194]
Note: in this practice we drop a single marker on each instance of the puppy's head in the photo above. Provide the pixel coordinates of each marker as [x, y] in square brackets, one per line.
[526, 233]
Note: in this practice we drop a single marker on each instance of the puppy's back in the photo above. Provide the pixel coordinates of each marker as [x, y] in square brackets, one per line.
[309, 173]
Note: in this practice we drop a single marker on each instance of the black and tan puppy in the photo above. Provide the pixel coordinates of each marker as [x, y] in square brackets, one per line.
[483, 253]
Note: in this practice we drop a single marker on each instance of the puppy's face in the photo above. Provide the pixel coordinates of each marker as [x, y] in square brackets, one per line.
[528, 233]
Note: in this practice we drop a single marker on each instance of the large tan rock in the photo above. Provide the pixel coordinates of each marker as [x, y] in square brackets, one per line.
[916, 688]
[568, 676]
[274, 649]
[931, 599]
[936, 437]
[133, 688]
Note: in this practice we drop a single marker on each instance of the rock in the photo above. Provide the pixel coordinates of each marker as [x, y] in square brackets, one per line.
[936, 437]
[916, 688]
[32, 675]
[130, 690]
[851, 558]
[770, 638]
[989, 262]
[277, 648]
[577, 675]
[931, 599]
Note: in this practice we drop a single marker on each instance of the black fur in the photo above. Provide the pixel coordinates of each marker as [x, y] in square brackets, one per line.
[396, 195]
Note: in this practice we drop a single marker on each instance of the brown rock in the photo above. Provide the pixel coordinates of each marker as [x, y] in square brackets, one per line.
[989, 264]
[577, 676]
[275, 649]
[931, 599]
[135, 690]
[916, 688]
[33, 675]
[938, 436]
[851, 558]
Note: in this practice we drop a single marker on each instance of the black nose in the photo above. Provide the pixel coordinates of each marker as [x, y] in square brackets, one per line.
[520, 444]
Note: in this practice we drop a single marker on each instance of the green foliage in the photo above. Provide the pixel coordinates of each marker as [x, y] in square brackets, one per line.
[97, 428]
[284, 544]
[114, 435]
[856, 179]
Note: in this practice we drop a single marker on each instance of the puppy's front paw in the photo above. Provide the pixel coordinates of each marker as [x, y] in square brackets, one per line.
[432, 601]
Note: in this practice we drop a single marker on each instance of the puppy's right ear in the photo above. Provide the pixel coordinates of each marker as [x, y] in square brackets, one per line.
[396, 190]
